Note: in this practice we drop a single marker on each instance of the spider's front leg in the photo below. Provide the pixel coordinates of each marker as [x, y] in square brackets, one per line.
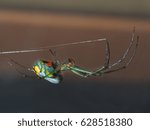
[85, 73]
[109, 70]
[127, 51]
[54, 57]
[80, 71]
[70, 66]
[99, 71]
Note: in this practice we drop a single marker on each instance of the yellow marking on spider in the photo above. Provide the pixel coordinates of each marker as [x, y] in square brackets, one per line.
[37, 70]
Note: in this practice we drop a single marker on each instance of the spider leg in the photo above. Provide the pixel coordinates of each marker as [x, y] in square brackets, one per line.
[106, 63]
[22, 66]
[130, 60]
[107, 55]
[75, 69]
[107, 67]
[53, 53]
[107, 60]
[18, 64]
[84, 73]
[126, 52]
[24, 75]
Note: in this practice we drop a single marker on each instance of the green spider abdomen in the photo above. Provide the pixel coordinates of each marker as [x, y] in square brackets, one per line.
[44, 68]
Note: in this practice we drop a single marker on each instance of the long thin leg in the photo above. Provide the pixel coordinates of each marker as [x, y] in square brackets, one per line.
[79, 73]
[75, 69]
[22, 66]
[107, 60]
[126, 52]
[130, 60]
[107, 55]
[79, 69]
[123, 57]
[106, 68]
[53, 53]
[84, 73]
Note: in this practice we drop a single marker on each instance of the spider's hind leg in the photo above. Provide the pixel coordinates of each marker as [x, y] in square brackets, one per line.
[14, 63]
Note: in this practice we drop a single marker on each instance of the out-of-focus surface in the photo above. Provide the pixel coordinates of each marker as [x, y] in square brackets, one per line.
[123, 91]
[116, 7]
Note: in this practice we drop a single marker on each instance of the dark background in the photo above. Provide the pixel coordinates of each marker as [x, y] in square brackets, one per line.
[33, 24]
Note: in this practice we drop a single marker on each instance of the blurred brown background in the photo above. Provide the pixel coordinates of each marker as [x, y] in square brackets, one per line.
[32, 24]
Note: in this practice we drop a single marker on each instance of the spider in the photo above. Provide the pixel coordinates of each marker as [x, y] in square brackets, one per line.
[52, 70]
